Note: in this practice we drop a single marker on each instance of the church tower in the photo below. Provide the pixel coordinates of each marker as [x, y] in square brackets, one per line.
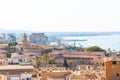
[25, 41]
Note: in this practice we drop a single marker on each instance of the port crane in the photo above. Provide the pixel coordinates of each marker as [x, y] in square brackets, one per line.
[74, 41]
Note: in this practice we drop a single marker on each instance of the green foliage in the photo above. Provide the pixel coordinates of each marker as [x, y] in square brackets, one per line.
[65, 64]
[72, 67]
[8, 55]
[95, 49]
[46, 56]
[78, 49]
[38, 62]
[52, 61]
[12, 44]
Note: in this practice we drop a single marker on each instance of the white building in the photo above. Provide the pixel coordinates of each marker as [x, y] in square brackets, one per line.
[14, 58]
[17, 59]
[26, 76]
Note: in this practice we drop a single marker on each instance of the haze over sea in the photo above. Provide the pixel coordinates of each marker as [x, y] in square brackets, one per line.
[105, 41]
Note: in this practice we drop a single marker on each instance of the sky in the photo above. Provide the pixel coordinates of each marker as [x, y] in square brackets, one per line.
[60, 15]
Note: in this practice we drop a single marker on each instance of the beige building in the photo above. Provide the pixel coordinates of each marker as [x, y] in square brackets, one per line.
[15, 71]
[33, 48]
[2, 46]
[55, 75]
[75, 58]
[3, 77]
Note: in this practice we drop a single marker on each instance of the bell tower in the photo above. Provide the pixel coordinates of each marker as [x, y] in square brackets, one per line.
[25, 41]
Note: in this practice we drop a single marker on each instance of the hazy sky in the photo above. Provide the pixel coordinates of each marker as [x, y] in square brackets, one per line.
[60, 15]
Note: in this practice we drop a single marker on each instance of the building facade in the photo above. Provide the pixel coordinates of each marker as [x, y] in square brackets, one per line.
[75, 58]
[38, 38]
[112, 70]
[17, 72]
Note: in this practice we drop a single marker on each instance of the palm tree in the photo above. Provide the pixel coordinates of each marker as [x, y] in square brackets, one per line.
[46, 57]
[38, 62]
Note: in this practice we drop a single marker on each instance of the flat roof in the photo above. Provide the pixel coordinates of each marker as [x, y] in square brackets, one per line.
[15, 67]
[70, 52]
[79, 56]
[58, 74]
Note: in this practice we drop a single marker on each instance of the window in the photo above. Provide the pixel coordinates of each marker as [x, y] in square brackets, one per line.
[40, 74]
[103, 64]
[114, 62]
[28, 79]
[117, 74]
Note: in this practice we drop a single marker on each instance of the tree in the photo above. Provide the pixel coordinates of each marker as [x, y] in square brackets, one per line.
[8, 55]
[78, 49]
[12, 44]
[52, 61]
[95, 49]
[38, 62]
[65, 64]
[46, 57]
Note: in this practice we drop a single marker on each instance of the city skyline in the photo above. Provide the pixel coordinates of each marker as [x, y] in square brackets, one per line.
[60, 16]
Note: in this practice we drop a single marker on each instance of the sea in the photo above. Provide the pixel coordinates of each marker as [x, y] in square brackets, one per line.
[105, 40]
[111, 41]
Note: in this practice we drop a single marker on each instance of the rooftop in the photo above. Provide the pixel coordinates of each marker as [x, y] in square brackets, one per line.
[79, 56]
[15, 67]
[84, 53]
[58, 74]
